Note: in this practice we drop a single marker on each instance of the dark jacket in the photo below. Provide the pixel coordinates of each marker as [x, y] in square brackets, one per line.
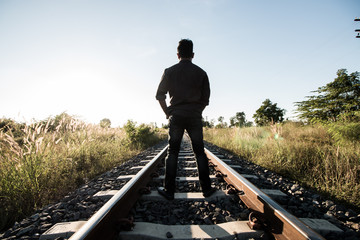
[188, 87]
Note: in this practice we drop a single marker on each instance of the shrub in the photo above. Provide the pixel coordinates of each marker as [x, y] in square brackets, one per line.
[105, 123]
[8, 125]
[139, 136]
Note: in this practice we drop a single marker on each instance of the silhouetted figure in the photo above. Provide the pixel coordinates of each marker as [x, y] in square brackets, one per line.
[189, 91]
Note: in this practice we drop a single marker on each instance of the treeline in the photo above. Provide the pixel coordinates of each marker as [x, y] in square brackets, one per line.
[267, 113]
[337, 101]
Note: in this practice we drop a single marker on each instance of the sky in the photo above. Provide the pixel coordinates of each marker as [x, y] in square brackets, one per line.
[104, 59]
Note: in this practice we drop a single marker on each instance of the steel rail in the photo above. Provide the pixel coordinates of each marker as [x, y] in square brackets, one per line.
[103, 224]
[283, 225]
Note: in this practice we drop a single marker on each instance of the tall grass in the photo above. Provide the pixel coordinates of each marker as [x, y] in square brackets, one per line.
[48, 159]
[308, 154]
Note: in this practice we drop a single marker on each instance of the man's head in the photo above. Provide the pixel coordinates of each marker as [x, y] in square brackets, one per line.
[185, 49]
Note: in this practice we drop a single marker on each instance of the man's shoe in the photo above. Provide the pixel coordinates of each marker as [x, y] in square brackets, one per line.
[165, 194]
[209, 192]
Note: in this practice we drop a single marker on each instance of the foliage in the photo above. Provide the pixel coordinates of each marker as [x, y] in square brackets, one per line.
[268, 113]
[345, 132]
[62, 123]
[7, 125]
[305, 153]
[339, 97]
[105, 123]
[139, 136]
[221, 123]
[239, 120]
[208, 124]
[221, 119]
[54, 157]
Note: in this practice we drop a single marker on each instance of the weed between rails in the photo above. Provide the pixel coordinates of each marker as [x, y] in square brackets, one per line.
[307, 154]
[48, 159]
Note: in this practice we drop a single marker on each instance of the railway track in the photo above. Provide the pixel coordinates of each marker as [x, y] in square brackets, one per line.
[124, 204]
[238, 210]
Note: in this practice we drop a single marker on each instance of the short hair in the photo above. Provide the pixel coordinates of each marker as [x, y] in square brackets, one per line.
[185, 48]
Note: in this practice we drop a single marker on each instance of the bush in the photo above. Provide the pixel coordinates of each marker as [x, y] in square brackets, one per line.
[16, 129]
[105, 123]
[141, 136]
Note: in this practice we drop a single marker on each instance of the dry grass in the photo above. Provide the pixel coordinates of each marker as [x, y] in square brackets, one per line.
[54, 157]
[307, 154]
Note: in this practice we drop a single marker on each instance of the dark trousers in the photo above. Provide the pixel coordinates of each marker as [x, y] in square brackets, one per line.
[193, 126]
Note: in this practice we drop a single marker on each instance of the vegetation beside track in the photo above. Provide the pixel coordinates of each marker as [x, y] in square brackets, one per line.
[43, 161]
[323, 157]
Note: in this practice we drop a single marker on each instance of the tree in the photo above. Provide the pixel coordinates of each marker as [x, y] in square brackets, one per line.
[221, 124]
[105, 123]
[239, 120]
[221, 119]
[208, 124]
[337, 98]
[248, 124]
[267, 113]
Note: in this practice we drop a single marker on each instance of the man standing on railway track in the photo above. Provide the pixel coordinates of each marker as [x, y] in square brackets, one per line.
[189, 90]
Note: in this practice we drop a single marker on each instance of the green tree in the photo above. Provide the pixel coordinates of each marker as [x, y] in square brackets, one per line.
[248, 124]
[105, 123]
[207, 124]
[338, 98]
[239, 120]
[221, 123]
[268, 113]
[221, 119]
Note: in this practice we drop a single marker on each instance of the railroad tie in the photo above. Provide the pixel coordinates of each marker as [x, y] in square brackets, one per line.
[229, 230]
[154, 195]
[125, 177]
[159, 231]
[162, 177]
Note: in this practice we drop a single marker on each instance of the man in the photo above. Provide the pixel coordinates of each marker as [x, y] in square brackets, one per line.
[189, 91]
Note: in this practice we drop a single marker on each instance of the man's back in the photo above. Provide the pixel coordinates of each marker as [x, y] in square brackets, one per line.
[188, 87]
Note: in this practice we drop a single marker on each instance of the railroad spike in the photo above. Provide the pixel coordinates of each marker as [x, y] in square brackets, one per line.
[125, 224]
[219, 174]
[231, 189]
[256, 221]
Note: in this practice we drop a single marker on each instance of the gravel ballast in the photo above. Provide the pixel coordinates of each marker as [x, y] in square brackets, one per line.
[80, 205]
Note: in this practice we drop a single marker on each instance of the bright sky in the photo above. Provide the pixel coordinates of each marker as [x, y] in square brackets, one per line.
[104, 59]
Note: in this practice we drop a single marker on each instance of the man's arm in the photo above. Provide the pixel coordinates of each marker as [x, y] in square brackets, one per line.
[205, 92]
[164, 107]
[161, 94]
